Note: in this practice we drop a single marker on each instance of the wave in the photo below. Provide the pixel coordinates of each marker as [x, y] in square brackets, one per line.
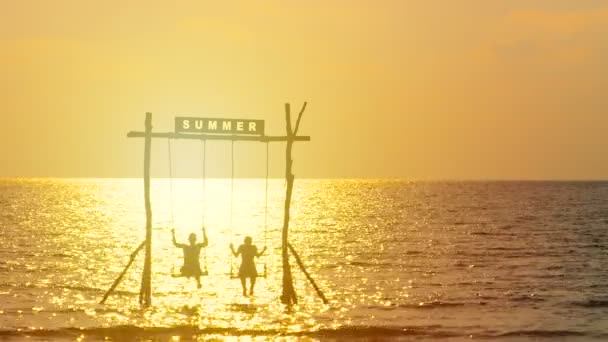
[593, 303]
[431, 305]
[547, 333]
[527, 298]
[165, 333]
[481, 233]
[370, 264]
[526, 218]
[345, 333]
[71, 310]
[61, 255]
[425, 305]
[85, 289]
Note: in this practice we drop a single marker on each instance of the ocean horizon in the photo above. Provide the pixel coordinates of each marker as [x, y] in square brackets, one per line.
[395, 179]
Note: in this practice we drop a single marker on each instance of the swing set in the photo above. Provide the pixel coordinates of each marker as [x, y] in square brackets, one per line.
[205, 270]
[232, 130]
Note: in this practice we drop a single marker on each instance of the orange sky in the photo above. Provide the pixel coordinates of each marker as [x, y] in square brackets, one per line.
[412, 89]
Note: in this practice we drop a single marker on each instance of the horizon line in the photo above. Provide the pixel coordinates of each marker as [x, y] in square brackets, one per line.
[403, 179]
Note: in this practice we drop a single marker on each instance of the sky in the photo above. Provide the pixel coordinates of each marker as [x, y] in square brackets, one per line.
[429, 89]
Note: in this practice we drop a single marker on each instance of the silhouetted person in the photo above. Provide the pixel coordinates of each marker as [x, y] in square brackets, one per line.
[248, 253]
[192, 252]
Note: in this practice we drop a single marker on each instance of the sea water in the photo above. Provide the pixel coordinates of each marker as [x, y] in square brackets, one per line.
[396, 259]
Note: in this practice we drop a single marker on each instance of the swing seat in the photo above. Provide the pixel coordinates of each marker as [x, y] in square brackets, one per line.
[181, 275]
[264, 274]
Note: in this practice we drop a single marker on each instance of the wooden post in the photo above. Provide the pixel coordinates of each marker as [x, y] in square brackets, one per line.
[288, 296]
[145, 294]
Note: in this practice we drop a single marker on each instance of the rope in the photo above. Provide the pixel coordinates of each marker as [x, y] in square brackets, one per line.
[231, 203]
[266, 199]
[170, 181]
[172, 222]
[231, 181]
[204, 186]
[203, 198]
[266, 209]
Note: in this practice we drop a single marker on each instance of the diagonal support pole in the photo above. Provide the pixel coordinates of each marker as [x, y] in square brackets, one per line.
[312, 281]
[295, 130]
[122, 274]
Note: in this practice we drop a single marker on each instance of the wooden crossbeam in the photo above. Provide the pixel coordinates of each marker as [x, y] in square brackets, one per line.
[172, 135]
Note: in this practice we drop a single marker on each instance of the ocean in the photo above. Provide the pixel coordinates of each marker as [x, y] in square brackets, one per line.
[397, 260]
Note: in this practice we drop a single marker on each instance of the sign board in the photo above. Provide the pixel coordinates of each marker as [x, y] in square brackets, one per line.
[219, 126]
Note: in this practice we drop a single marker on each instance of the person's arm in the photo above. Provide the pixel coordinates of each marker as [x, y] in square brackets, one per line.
[235, 253]
[205, 242]
[178, 245]
[261, 253]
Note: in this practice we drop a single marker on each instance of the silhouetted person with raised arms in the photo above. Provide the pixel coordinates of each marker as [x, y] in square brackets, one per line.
[192, 252]
[248, 253]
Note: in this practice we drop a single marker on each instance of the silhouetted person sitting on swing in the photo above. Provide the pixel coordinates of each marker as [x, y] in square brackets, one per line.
[192, 252]
[248, 253]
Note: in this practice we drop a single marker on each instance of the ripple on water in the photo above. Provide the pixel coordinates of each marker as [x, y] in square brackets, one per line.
[396, 259]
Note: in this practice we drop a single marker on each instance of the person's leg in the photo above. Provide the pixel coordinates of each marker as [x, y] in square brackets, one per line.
[244, 284]
[252, 285]
[198, 282]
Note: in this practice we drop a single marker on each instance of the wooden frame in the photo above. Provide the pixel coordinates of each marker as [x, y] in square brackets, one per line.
[288, 295]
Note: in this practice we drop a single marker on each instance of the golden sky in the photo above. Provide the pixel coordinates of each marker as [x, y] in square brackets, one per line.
[428, 89]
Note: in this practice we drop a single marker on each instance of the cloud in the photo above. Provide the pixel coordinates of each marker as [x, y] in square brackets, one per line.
[562, 24]
[545, 36]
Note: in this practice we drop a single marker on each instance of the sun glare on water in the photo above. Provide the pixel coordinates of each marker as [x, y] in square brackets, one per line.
[186, 205]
